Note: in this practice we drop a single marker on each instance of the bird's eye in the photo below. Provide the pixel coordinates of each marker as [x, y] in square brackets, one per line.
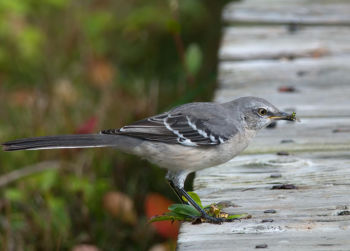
[262, 111]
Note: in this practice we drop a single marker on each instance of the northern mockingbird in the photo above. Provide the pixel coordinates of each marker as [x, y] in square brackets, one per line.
[185, 139]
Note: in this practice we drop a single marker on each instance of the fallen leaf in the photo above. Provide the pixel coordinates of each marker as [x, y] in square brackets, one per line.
[319, 52]
[286, 89]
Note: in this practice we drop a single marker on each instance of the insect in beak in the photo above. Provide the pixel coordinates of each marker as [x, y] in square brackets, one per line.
[285, 116]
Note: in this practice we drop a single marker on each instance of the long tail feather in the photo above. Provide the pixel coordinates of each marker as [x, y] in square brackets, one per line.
[61, 141]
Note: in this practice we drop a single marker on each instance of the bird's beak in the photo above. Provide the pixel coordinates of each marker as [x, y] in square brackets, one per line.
[284, 116]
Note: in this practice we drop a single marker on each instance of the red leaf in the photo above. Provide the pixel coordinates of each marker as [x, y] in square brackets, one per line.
[88, 126]
[156, 204]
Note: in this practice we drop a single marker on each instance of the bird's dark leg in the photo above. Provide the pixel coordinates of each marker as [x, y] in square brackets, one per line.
[204, 214]
[172, 185]
[176, 180]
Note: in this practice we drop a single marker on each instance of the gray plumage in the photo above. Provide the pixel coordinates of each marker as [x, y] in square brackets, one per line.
[185, 139]
[195, 124]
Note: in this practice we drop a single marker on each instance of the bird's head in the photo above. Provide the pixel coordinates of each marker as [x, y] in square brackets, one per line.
[258, 113]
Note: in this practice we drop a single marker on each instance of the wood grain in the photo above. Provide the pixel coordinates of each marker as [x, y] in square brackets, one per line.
[310, 12]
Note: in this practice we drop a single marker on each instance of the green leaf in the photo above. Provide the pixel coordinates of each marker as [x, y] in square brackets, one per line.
[193, 59]
[47, 179]
[236, 216]
[58, 3]
[14, 6]
[174, 26]
[81, 184]
[165, 217]
[60, 219]
[14, 194]
[184, 210]
[30, 42]
[195, 197]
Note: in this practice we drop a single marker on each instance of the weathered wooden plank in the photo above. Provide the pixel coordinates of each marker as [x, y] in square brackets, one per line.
[307, 218]
[321, 85]
[316, 71]
[324, 241]
[308, 12]
[244, 43]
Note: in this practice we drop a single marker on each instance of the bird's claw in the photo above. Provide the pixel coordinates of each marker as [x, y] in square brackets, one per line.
[210, 219]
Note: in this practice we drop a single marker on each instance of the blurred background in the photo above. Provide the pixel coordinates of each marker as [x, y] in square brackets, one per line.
[78, 66]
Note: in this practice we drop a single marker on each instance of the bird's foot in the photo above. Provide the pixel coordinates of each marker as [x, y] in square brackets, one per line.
[205, 218]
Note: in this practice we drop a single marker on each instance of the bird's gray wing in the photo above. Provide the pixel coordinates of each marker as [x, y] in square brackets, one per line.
[179, 128]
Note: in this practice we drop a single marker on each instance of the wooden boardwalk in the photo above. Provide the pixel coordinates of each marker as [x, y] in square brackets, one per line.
[295, 53]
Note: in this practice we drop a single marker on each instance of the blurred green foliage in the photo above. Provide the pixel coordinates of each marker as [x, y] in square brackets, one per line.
[73, 66]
